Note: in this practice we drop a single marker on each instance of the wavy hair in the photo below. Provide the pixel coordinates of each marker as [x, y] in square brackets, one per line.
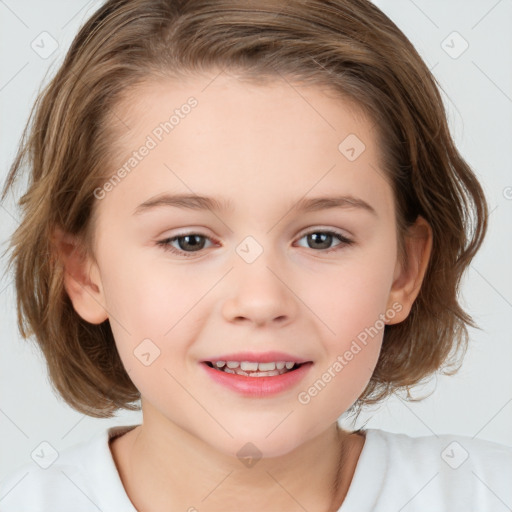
[351, 47]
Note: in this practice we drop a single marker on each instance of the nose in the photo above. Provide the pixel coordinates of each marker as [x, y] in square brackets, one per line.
[260, 293]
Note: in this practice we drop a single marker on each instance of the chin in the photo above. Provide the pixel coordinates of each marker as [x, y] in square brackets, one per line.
[260, 442]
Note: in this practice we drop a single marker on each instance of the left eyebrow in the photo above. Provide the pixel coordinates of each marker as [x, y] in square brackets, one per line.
[323, 203]
[196, 202]
[192, 202]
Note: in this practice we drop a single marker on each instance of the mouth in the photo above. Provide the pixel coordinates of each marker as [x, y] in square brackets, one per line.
[257, 375]
[255, 369]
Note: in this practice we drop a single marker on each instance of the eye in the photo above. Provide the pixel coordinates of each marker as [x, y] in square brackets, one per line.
[323, 239]
[188, 243]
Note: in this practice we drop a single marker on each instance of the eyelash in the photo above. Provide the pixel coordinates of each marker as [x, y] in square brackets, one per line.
[165, 244]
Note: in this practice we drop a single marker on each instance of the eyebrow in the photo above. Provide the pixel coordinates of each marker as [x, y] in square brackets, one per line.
[195, 202]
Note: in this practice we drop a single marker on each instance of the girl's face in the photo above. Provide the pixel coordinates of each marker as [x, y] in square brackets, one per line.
[252, 269]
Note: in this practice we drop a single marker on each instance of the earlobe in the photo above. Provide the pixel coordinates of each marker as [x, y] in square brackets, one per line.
[408, 279]
[82, 280]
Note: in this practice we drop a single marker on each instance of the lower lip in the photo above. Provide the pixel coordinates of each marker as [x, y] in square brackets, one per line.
[258, 386]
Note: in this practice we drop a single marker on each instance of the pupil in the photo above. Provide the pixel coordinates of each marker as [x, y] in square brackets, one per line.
[327, 239]
[190, 242]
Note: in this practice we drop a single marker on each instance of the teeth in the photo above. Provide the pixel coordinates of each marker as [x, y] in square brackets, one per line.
[249, 366]
[265, 374]
[254, 368]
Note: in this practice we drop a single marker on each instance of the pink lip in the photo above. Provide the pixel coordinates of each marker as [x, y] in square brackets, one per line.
[258, 386]
[264, 357]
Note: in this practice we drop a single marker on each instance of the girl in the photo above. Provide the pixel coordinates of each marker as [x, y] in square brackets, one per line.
[250, 216]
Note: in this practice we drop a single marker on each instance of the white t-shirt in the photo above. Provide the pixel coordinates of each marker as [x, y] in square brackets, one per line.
[395, 472]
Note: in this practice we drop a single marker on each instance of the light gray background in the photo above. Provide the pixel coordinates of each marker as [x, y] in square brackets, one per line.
[477, 88]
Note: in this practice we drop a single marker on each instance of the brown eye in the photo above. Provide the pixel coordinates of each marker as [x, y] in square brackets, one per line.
[322, 240]
[187, 243]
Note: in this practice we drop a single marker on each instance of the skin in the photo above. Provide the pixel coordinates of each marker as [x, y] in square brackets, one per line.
[263, 147]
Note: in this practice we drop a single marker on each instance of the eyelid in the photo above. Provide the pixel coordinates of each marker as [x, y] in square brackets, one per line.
[323, 229]
[344, 241]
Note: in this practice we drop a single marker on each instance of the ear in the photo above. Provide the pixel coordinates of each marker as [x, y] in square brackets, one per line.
[407, 281]
[82, 279]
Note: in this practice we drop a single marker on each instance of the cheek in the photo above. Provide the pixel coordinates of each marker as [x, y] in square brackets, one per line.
[147, 294]
[351, 297]
[154, 312]
[351, 302]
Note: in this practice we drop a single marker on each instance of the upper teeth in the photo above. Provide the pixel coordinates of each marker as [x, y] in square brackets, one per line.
[255, 366]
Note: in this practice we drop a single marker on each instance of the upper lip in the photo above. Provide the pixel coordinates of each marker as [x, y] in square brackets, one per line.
[262, 357]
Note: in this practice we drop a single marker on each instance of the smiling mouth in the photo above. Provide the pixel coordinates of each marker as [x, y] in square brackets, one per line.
[253, 369]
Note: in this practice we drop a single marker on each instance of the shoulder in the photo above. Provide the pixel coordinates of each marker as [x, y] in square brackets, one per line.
[437, 472]
[52, 480]
[448, 450]
[83, 475]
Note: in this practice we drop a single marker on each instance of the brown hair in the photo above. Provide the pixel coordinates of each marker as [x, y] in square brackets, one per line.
[351, 47]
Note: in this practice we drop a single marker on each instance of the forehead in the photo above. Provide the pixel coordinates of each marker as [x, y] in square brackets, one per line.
[233, 109]
[219, 135]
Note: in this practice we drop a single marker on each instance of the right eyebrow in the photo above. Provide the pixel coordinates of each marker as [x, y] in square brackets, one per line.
[196, 202]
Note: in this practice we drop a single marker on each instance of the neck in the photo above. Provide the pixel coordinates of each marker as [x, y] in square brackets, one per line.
[164, 467]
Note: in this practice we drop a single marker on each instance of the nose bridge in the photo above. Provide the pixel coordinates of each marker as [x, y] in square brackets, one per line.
[258, 292]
